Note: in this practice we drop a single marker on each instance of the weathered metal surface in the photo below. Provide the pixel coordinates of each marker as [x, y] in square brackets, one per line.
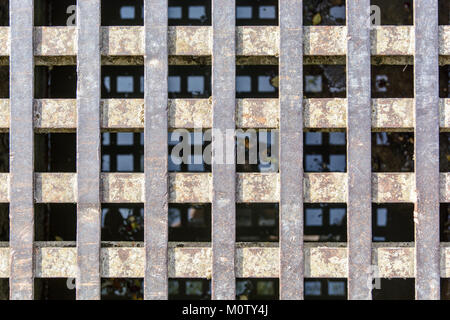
[5, 41]
[156, 152]
[55, 114]
[223, 207]
[388, 114]
[392, 187]
[324, 41]
[257, 41]
[395, 262]
[325, 113]
[257, 113]
[4, 187]
[325, 188]
[250, 187]
[4, 114]
[359, 141]
[392, 40]
[259, 262]
[21, 207]
[55, 188]
[326, 261]
[253, 260]
[88, 284]
[258, 187]
[55, 41]
[291, 150]
[426, 212]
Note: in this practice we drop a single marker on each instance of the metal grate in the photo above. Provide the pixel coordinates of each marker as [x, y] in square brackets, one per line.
[155, 45]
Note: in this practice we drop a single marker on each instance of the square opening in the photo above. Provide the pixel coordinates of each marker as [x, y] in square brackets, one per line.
[393, 152]
[122, 12]
[444, 81]
[445, 289]
[190, 151]
[54, 289]
[122, 222]
[256, 81]
[444, 151]
[57, 82]
[445, 222]
[325, 151]
[393, 13]
[4, 222]
[122, 289]
[189, 289]
[55, 13]
[444, 12]
[55, 152]
[255, 13]
[257, 150]
[257, 289]
[324, 13]
[324, 81]
[190, 222]
[393, 222]
[325, 222]
[391, 81]
[394, 289]
[325, 289]
[189, 13]
[55, 222]
[257, 222]
[4, 152]
[4, 81]
[122, 152]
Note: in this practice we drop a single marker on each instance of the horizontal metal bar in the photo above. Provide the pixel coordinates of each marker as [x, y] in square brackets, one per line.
[253, 260]
[60, 115]
[250, 41]
[251, 187]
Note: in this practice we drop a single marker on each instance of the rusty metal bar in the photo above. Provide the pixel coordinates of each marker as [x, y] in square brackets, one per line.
[359, 206]
[426, 85]
[253, 260]
[250, 187]
[88, 150]
[223, 161]
[291, 149]
[388, 114]
[156, 149]
[60, 42]
[21, 207]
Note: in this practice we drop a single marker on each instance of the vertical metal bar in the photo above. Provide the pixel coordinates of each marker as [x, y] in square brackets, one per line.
[291, 149]
[426, 81]
[88, 150]
[223, 165]
[156, 149]
[21, 150]
[359, 206]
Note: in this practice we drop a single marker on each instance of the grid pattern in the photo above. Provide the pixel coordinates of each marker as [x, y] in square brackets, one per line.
[156, 45]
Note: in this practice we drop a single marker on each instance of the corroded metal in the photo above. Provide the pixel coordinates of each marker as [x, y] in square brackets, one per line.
[250, 187]
[291, 150]
[253, 260]
[21, 206]
[223, 207]
[60, 42]
[359, 206]
[88, 284]
[156, 150]
[388, 114]
[426, 211]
